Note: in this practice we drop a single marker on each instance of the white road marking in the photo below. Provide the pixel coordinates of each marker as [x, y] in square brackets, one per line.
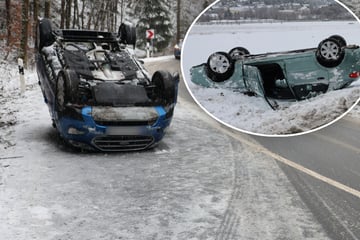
[275, 156]
[299, 167]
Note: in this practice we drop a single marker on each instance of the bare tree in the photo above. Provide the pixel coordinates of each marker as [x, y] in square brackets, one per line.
[8, 21]
[68, 13]
[24, 31]
[62, 14]
[82, 14]
[35, 16]
[178, 21]
[47, 8]
[76, 22]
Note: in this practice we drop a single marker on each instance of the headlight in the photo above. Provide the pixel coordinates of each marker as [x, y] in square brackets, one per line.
[74, 131]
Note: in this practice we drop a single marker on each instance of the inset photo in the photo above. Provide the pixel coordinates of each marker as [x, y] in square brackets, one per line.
[274, 68]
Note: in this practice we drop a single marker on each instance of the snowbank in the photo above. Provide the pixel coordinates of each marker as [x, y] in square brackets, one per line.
[254, 115]
[11, 100]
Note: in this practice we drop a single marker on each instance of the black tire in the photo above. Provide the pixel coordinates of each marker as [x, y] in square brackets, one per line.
[238, 53]
[340, 39]
[219, 66]
[127, 34]
[330, 53]
[66, 89]
[165, 87]
[45, 36]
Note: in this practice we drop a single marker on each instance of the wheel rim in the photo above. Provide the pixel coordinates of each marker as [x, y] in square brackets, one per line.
[329, 50]
[219, 63]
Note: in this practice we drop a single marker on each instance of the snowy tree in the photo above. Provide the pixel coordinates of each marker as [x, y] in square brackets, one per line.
[189, 10]
[153, 14]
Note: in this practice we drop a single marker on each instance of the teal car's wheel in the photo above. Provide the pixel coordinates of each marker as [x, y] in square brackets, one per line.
[340, 39]
[330, 53]
[219, 67]
[238, 53]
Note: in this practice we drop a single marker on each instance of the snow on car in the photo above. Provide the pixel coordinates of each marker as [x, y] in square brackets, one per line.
[295, 75]
[99, 95]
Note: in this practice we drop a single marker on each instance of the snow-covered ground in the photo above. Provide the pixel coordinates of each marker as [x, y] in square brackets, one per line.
[11, 100]
[252, 114]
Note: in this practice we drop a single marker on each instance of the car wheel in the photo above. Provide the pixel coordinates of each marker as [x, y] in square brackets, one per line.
[340, 39]
[330, 53]
[127, 34]
[45, 35]
[165, 87]
[219, 67]
[238, 53]
[66, 88]
[61, 96]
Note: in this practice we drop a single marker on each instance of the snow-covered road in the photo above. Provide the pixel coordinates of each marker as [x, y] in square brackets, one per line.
[199, 183]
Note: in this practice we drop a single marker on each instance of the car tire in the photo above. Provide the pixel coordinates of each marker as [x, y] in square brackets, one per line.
[219, 66]
[238, 53]
[61, 97]
[66, 88]
[340, 39]
[330, 53]
[127, 34]
[45, 35]
[165, 87]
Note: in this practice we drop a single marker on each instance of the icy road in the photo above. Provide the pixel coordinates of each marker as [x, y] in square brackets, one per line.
[202, 182]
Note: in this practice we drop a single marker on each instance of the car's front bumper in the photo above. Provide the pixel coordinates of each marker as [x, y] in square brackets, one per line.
[114, 128]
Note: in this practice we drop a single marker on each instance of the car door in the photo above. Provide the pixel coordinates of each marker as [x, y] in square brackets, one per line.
[254, 83]
[305, 76]
[253, 80]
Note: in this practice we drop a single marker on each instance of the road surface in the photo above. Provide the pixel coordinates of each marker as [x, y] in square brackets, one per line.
[333, 152]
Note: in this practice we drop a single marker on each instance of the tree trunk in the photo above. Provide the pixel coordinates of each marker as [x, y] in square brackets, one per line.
[76, 15]
[47, 8]
[8, 21]
[62, 17]
[91, 16]
[35, 17]
[24, 31]
[82, 14]
[178, 21]
[68, 14]
[122, 11]
[115, 16]
[100, 13]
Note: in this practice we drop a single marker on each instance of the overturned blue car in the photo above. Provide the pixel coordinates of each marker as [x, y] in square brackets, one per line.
[99, 95]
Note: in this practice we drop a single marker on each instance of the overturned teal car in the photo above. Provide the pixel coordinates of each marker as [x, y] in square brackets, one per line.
[291, 75]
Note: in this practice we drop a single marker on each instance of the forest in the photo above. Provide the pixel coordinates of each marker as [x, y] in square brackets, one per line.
[18, 19]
